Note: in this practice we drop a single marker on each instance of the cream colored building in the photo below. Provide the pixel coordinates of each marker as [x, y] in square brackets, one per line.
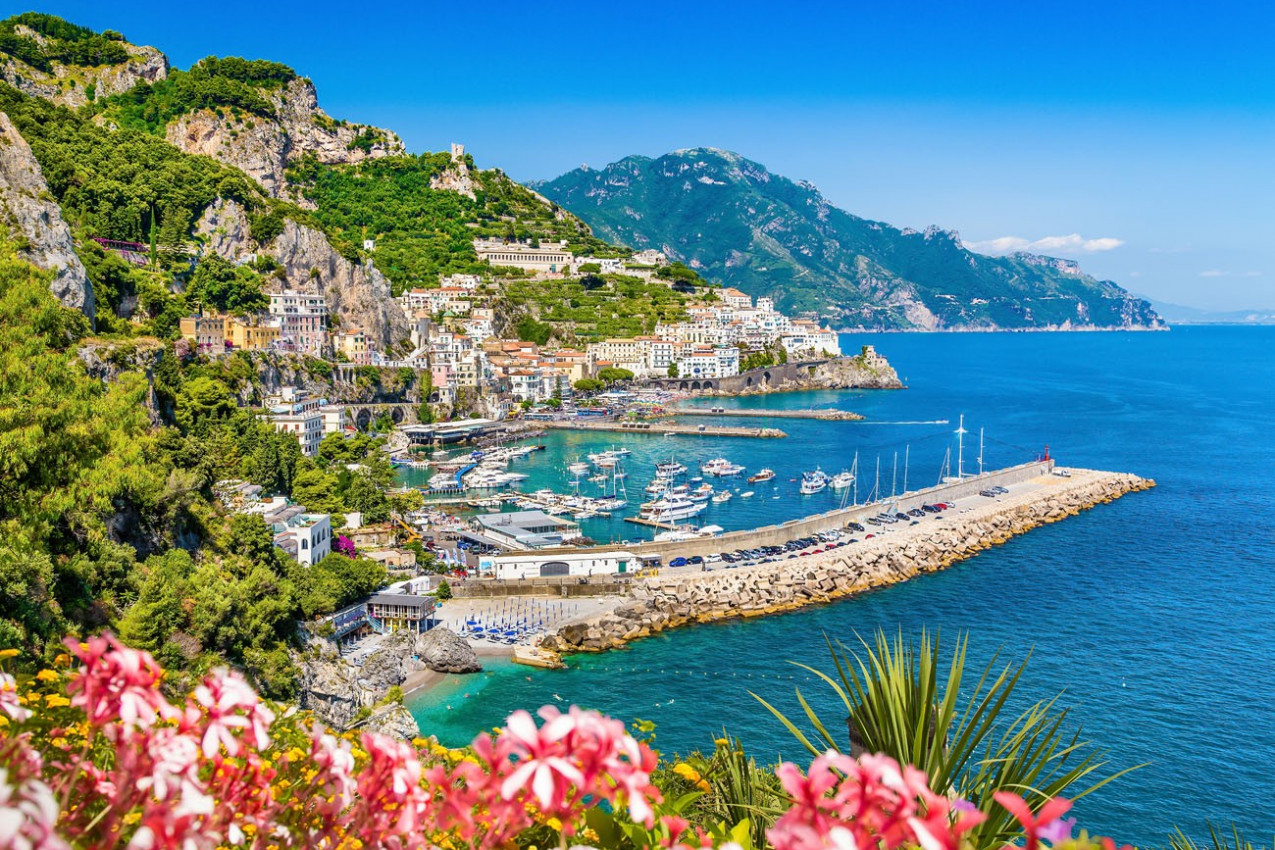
[549, 257]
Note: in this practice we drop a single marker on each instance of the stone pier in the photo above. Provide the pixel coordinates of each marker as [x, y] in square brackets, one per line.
[893, 555]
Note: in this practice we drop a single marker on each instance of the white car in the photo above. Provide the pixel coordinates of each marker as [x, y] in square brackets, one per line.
[712, 559]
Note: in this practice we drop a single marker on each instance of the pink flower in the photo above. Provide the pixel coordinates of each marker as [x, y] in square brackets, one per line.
[28, 814]
[390, 797]
[231, 705]
[871, 802]
[9, 699]
[117, 684]
[1035, 827]
[542, 761]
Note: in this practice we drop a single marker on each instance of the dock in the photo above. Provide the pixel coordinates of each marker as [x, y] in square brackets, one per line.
[658, 428]
[827, 415]
[650, 523]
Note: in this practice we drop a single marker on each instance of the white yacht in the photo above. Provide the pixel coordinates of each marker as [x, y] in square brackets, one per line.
[813, 482]
[721, 467]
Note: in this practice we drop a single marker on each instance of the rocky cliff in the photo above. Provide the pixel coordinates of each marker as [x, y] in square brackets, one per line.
[262, 147]
[357, 293]
[33, 219]
[70, 85]
[342, 695]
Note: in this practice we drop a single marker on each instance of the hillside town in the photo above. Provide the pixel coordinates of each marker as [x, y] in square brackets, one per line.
[454, 335]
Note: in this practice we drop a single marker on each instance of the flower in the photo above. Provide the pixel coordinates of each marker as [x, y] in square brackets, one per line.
[28, 814]
[1042, 826]
[231, 704]
[9, 699]
[117, 687]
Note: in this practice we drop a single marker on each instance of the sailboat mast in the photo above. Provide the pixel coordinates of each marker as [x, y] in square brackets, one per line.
[960, 449]
[894, 476]
[980, 451]
[907, 451]
[876, 487]
[854, 470]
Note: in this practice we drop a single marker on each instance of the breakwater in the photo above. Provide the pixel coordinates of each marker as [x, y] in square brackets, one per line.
[827, 415]
[667, 428]
[670, 601]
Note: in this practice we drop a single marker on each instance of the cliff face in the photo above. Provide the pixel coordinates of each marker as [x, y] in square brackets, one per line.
[357, 293]
[34, 220]
[67, 84]
[263, 147]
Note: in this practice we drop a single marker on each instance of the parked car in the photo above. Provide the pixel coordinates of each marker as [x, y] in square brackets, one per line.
[677, 562]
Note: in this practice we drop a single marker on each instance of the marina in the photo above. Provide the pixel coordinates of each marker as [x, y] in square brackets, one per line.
[667, 429]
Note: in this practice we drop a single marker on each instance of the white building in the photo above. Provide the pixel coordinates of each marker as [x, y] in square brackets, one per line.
[307, 537]
[706, 361]
[306, 426]
[520, 565]
[548, 257]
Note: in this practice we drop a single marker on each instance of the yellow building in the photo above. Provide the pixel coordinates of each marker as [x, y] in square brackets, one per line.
[246, 337]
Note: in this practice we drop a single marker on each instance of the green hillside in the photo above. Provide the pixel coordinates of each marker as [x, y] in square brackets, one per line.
[740, 225]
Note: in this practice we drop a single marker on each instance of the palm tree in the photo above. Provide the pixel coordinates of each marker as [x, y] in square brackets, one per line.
[895, 704]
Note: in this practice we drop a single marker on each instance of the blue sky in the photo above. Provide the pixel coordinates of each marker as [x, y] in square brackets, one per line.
[1136, 137]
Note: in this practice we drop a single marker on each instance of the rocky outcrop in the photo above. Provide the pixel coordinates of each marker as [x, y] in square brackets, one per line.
[456, 177]
[108, 360]
[262, 147]
[34, 220]
[357, 293]
[341, 694]
[393, 720]
[443, 651]
[70, 85]
[668, 602]
[866, 370]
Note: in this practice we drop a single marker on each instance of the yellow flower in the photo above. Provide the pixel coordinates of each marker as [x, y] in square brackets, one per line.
[554, 823]
[47, 676]
[692, 776]
[720, 742]
[62, 658]
[60, 743]
[132, 818]
[8, 653]
[56, 701]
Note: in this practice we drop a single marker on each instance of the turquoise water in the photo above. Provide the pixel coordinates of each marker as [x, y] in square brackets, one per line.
[1153, 612]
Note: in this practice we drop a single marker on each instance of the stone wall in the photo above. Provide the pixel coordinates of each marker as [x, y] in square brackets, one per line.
[669, 601]
[566, 587]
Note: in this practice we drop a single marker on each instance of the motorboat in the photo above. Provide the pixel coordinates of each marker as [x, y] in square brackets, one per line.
[841, 480]
[764, 475]
[813, 482]
[579, 468]
[724, 496]
[669, 469]
[701, 493]
[671, 509]
[721, 467]
[747, 494]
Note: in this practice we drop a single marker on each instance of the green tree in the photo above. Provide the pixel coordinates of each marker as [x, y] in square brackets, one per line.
[613, 374]
[316, 490]
[363, 495]
[218, 285]
[589, 385]
[444, 590]
[672, 370]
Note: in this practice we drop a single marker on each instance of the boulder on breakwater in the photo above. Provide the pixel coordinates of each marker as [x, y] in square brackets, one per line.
[662, 603]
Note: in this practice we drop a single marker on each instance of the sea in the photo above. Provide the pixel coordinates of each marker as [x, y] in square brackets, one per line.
[1152, 616]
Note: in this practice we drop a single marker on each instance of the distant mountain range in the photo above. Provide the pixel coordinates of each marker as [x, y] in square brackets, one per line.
[739, 224]
[1179, 314]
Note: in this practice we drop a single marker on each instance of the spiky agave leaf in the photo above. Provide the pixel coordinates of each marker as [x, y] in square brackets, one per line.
[898, 703]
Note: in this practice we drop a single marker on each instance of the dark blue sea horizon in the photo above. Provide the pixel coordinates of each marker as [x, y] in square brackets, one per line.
[1151, 614]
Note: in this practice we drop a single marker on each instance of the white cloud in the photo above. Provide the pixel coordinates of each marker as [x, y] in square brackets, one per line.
[1072, 243]
[1221, 273]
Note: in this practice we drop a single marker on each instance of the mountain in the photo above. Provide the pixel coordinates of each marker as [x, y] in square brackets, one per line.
[1180, 314]
[101, 139]
[739, 224]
